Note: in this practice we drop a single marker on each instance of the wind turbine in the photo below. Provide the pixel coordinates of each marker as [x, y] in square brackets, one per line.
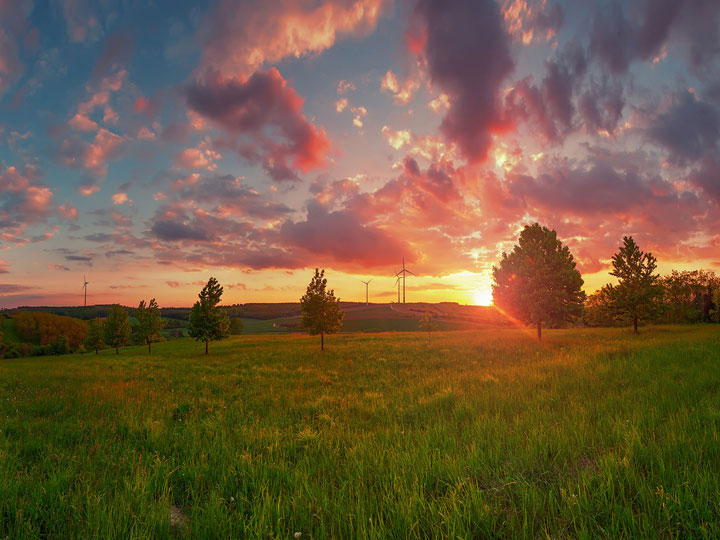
[367, 303]
[401, 274]
[84, 287]
[397, 282]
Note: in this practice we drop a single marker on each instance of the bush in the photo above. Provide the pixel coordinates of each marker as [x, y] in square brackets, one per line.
[61, 345]
[12, 352]
[236, 326]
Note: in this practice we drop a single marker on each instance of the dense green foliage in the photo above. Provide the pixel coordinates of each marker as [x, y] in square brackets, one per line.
[690, 297]
[593, 434]
[537, 282]
[95, 339]
[117, 328]
[207, 321]
[44, 328]
[320, 309]
[149, 323]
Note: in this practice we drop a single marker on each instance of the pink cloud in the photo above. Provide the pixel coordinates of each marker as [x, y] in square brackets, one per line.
[82, 123]
[256, 107]
[402, 93]
[81, 20]
[23, 201]
[120, 198]
[86, 191]
[240, 38]
[68, 212]
[104, 147]
[202, 157]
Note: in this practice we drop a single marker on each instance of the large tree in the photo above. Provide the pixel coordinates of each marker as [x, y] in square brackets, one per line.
[149, 322]
[117, 327]
[320, 309]
[207, 321]
[637, 294]
[94, 340]
[537, 282]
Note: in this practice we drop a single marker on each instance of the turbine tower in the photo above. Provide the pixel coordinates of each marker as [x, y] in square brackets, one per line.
[397, 282]
[367, 303]
[401, 275]
[84, 287]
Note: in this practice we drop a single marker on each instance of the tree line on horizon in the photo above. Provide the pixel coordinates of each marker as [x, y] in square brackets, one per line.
[536, 284]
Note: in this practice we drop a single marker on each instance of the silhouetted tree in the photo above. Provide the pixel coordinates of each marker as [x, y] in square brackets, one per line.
[637, 294]
[537, 282]
[117, 328]
[320, 309]
[687, 296]
[207, 321]
[95, 339]
[149, 322]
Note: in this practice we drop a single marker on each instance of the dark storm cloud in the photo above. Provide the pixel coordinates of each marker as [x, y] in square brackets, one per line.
[469, 57]
[688, 129]
[175, 230]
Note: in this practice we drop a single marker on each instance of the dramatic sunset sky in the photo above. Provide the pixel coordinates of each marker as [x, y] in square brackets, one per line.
[150, 145]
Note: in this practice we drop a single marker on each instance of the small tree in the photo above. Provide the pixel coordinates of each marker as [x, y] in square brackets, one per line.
[117, 328]
[637, 294]
[320, 309]
[149, 323]
[207, 321]
[538, 282]
[236, 326]
[426, 324]
[94, 338]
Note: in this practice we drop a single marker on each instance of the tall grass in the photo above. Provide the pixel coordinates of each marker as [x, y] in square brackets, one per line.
[592, 434]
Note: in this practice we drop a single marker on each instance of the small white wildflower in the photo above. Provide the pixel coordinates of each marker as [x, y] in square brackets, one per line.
[298, 534]
[232, 500]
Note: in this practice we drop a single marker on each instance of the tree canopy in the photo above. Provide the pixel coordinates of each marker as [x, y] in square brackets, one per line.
[117, 328]
[149, 322]
[207, 321]
[637, 294]
[94, 340]
[320, 309]
[537, 282]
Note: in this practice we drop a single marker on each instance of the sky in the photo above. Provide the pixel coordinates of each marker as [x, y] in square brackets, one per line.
[146, 146]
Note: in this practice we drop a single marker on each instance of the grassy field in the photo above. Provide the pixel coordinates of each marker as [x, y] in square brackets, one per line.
[592, 434]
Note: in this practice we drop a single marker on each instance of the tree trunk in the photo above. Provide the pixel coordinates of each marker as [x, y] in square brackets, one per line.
[206, 347]
[635, 324]
[117, 349]
[149, 342]
[539, 327]
[96, 351]
[322, 342]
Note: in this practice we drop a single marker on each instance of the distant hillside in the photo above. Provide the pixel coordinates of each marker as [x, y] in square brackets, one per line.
[261, 318]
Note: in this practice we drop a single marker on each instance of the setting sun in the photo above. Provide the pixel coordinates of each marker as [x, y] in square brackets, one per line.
[482, 296]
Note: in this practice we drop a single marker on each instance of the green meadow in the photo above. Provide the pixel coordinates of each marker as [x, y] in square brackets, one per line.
[487, 434]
